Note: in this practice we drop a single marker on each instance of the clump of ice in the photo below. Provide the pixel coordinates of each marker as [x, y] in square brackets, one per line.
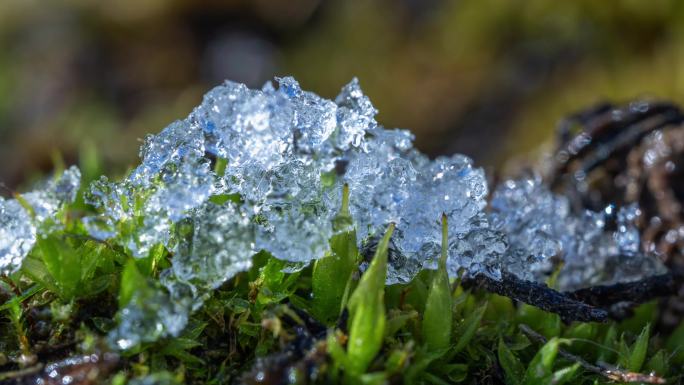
[595, 248]
[150, 315]
[47, 200]
[19, 225]
[216, 242]
[288, 154]
[17, 235]
[285, 155]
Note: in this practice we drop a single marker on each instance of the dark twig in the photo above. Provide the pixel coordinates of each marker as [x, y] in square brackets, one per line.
[635, 292]
[613, 374]
[87, 369]
[539, 295]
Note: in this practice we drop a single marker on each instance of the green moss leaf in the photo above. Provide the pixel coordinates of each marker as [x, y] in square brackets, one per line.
[638, 352]
[511, 365]
[659, 363]
[437, 321]
[466, 330]
[565, 375]
[367, 311]
[62, 263]
[331, 275]
[131, 280]
[539, 371]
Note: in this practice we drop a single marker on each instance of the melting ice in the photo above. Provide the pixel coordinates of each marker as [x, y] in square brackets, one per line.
[21, 220]
[288, 152]
[596, 248]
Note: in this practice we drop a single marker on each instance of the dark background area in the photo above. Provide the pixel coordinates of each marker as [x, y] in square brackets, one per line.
[488, 78]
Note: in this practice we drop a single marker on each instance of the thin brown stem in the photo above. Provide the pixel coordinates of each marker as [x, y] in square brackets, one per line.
[614, 374]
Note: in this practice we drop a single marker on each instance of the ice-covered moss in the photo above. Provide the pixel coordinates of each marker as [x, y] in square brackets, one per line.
[280, 156]
[33, 214]
[595, 248]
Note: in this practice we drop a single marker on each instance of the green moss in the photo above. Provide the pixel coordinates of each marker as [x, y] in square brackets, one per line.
[343, 325]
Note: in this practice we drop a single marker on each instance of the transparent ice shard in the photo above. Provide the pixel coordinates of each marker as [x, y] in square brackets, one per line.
[250, 128]
[48, 200]
[150, 315]
[19, 226]
[391, 182]
[215, 244]
[296, 233]
[287, 155]
[532, 218]
[596, 248]
[479, 251]
[121, 216]
[355, 115]
[314, 118]
[114, 203]
[17, 235]
[140, 210]
[181, 187]
[177, 142]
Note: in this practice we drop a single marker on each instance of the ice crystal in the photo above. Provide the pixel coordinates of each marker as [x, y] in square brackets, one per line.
[151, 314]
[17, 235]
[45, 202]
[355, 115]
[217, 242]
[20, 222]
[595, 247]
[288, 152]
[392, 182]
[279, 158]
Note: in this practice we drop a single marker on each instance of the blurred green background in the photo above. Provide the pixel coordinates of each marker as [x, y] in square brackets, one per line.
[489, 78]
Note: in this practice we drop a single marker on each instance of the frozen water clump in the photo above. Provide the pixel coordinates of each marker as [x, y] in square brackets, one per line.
[140, 210]
[181, 187]
[451, 185]
[479, 251]
[314, 118]
[380, 176]
[391, 182]
[114, 202]
[120, 217]
[297, 233]
[277, 144]
[609, 252]
[19, 226]
[215, 243]
[533, 219]
[287, 153]
[48, 200]
[355, 115]
[150, 315]
[596, 248]
[17, 235]
[177, 142]
[250, 128]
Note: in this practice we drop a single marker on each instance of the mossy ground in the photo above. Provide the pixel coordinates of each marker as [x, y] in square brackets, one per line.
[327, 323]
